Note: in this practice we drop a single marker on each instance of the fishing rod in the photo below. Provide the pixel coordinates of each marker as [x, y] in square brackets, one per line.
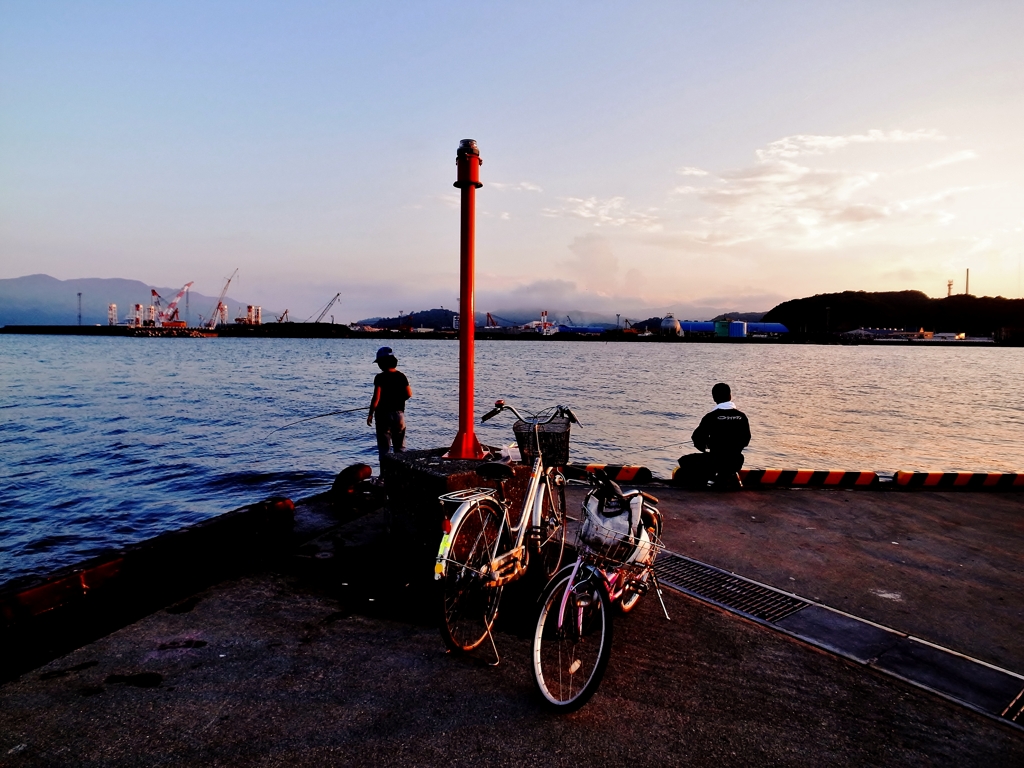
[321, 416]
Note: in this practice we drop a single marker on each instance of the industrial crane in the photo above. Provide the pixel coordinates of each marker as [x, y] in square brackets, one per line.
[170, 312]
[212, 322]
[326, 309]
[283, 317]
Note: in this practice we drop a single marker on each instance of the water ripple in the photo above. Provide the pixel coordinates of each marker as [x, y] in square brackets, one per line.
[96, 456]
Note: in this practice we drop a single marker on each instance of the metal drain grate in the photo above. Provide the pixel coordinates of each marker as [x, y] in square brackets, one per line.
[725, 589]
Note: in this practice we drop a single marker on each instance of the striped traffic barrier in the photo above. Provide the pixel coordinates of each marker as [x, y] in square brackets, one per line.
[974, 481]
[620, 473]
[809, 478]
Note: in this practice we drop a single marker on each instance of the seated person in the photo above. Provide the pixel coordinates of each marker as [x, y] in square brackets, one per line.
[725, 432]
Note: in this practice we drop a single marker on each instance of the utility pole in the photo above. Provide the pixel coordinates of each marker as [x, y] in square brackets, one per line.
[79, 307]
[967, 285]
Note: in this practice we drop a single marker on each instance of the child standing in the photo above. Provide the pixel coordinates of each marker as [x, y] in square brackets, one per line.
[390, 391]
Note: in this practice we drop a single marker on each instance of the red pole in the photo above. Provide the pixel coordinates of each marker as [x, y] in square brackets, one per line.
[467, 161]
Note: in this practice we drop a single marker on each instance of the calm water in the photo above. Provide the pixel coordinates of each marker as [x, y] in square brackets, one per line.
[109, 441]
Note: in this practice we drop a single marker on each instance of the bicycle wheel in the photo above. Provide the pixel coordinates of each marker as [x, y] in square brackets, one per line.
[550, 546]
[469, 606]
[628, 600]
[569, 660]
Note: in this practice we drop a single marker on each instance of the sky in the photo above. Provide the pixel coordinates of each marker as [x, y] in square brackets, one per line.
[637, 158]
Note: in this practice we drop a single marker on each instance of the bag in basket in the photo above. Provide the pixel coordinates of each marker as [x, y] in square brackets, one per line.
[613, 530]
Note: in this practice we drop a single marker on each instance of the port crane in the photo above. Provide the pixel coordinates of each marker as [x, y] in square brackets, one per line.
[326, 309]
[170, 312]
[283, 317]
[217, 311]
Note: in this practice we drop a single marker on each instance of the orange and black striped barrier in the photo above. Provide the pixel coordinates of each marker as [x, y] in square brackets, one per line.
[974, 481]
[810, 478]
[620, 473]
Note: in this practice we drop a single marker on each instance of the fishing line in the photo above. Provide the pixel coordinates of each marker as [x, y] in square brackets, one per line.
[662, 447]
[321, 416]
[645, 450]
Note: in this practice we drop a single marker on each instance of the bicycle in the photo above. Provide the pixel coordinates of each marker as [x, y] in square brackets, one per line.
[483, 548]
[617, 543]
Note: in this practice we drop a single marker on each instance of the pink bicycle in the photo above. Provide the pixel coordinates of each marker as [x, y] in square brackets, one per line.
[617, 542]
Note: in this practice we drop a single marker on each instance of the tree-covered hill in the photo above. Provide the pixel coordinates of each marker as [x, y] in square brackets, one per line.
[908, 310]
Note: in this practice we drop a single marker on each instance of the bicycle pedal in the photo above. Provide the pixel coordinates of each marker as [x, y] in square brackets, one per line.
[507, 565]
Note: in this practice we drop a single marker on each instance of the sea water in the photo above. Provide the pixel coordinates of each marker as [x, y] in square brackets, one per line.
[107, 441]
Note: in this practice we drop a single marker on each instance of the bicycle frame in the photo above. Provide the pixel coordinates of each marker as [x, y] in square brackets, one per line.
[490, 558]
[518, 555]
[614, 581]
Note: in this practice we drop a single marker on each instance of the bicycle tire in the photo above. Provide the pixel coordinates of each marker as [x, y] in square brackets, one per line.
[569, 661]
[468, 607]
[628, 600]
[550, 548]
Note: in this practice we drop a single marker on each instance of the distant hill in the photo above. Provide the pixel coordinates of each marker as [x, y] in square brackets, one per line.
[745, 317]
[438, 319]
[908, 310]
[441, 319]
[45, 300]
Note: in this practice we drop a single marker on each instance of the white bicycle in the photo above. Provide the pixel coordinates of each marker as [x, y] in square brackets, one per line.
[488, 544]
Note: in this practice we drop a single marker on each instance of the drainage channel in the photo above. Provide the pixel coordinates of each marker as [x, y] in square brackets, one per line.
[980, 686]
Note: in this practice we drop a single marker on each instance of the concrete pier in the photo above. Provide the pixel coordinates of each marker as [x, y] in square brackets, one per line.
[329, 656]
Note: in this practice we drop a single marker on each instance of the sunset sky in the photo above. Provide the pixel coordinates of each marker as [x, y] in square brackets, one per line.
[638, 158]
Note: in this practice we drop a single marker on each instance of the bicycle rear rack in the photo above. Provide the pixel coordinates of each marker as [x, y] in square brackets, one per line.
[469, 494]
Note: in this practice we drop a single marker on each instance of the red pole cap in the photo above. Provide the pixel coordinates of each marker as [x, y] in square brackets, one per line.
[468, 162]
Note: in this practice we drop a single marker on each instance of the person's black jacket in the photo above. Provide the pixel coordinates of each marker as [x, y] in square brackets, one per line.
[724, 431]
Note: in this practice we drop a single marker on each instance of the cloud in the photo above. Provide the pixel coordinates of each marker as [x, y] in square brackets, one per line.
[786, 201]
[688, 170]
[613, 212]
[450, 200]
[567, 297]
[810, 144]
[956, 157]
[594, 263]
[522, 186]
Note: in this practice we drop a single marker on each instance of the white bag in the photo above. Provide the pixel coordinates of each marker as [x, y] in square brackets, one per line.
[615, 531]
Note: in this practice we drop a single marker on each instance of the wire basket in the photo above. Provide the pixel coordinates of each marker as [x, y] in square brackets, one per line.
[610, 548]
[554, 441]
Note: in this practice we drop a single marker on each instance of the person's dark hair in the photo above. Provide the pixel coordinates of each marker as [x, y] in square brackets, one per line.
[390, 361]
[721, 393]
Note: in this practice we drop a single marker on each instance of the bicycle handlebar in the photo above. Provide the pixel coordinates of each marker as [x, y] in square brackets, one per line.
[559, 410]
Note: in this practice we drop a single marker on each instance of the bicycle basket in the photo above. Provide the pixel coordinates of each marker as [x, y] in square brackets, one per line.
[609, 540]
[554, 441]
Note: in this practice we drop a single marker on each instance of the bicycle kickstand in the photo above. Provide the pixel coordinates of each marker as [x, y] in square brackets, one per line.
[497, 656]
[661, 599]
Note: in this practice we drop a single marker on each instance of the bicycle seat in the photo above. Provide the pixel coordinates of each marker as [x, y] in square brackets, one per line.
[495, 471]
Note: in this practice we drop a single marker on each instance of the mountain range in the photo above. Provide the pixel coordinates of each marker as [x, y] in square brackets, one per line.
[45, 300]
